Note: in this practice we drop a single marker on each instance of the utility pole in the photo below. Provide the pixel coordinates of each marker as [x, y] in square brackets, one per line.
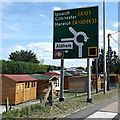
[105, 75]
[96, 75]
[108, 70]
[62, 81]
[89, 99]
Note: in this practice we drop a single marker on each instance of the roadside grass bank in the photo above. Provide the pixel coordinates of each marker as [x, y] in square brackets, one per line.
[59, 109]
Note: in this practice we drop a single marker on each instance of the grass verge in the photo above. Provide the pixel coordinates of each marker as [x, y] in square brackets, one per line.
[59, 109]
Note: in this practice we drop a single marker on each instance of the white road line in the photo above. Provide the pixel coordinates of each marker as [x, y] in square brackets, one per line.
[100, 114]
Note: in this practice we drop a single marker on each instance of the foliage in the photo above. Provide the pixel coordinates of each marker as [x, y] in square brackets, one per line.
[59, 109]
[24, 111]
[25, 56]
[114, 62]
[11, 67]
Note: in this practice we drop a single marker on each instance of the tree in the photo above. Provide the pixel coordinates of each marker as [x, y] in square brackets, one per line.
[100, 62]
[25, 56]
[81, 68]
[114, 62]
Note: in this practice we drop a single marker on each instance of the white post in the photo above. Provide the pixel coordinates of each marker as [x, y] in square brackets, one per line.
[104, 42]
[89, 99]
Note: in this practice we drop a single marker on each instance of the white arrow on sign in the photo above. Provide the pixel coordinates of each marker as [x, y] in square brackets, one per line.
[76, 34]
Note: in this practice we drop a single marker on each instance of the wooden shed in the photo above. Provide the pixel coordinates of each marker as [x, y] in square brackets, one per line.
[66, 80]
[77, 84]
[57, 82]
[18, 88]
[43, 83]
[118, 78]
[93, 81]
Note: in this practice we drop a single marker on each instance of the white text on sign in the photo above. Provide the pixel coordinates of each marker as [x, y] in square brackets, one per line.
[64, 45]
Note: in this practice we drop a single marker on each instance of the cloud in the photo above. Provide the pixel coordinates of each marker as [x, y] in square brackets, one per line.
[42, 48]
[7, 52]
[75, 63]
[42, 15]
[116, 24]
[57, 8]
[112, 42]
[17, 48]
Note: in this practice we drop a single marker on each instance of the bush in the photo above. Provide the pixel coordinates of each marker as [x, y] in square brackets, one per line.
[11, 67]
[24, 111]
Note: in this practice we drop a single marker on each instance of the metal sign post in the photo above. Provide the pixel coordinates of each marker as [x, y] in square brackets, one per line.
[96, 75]
[62, 81]
[108, 68]
[89, 99]
[104, 42]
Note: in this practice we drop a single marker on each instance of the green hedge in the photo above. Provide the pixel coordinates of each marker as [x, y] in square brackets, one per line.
[11, 67]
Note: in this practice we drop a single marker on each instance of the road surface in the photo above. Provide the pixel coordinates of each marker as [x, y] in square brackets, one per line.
[108, 109]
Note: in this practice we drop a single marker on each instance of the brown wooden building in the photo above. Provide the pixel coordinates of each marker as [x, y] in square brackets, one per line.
[43, 83]
[93, 81]
[66, 80]
[118, 78]
[18, 88]
[77, 84]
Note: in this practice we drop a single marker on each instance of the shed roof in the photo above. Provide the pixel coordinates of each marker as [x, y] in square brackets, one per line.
[52, 73]
[43, 77]
[67, 74]
[20, 77]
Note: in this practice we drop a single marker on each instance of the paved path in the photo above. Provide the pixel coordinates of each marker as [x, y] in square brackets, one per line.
[107, 109]
[2, 108]
[20, 106]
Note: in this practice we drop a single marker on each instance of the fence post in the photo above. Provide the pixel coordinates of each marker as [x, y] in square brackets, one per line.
[41, 98]
[7, 104]
[47, 95]
[51, 95]
[10, 106]
[75, 93]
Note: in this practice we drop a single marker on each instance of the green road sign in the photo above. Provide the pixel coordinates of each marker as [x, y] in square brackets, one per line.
[76, 33]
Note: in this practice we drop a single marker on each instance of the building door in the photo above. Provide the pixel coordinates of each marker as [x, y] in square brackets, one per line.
[17, 96]
[19, 93]
[22, 88]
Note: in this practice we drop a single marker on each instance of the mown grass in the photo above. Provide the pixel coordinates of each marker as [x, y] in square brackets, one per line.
[59, 109]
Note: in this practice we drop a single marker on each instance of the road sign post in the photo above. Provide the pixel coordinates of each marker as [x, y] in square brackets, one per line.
[89, 99]
[104, 44]
[62, 81]
[75, 35]
[96, 75]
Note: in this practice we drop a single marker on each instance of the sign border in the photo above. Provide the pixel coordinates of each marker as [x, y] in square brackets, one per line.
[91, 56]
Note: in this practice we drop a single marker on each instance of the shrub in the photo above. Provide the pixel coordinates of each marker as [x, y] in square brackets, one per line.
[16, 67]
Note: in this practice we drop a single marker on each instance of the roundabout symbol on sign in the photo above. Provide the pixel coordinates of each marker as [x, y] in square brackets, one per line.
[79, 44]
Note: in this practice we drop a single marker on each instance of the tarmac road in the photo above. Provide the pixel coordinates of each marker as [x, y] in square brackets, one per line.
[104, 110]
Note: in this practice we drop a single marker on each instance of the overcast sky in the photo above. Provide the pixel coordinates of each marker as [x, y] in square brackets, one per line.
[29, 26]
